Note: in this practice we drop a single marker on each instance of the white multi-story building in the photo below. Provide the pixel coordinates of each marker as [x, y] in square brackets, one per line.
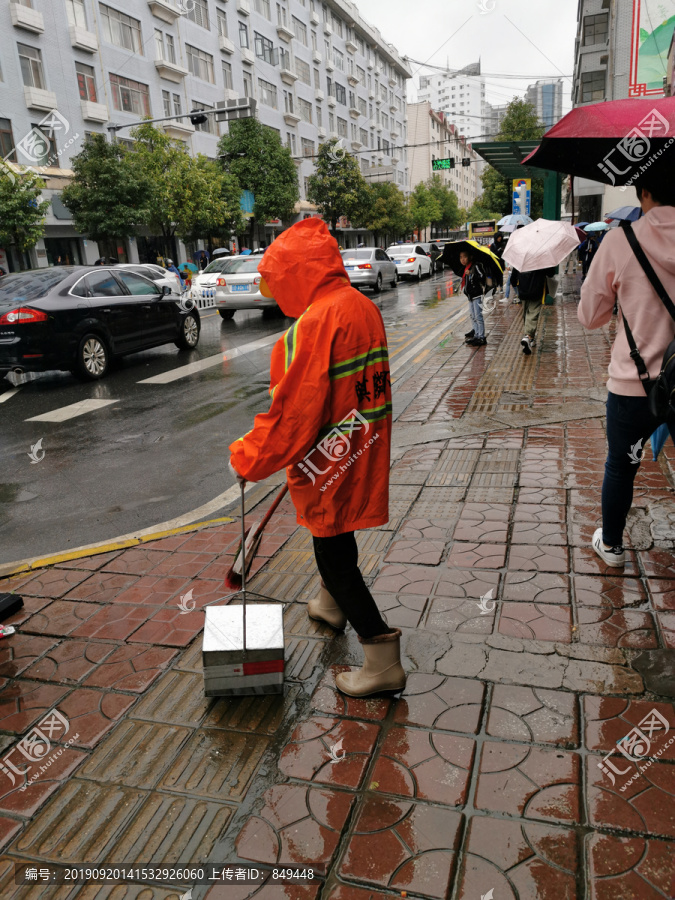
[432, 136]
[316, 69]
[460, 95]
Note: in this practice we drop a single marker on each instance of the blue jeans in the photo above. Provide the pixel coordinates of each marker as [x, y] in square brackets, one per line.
[629, 422]
[476, 309]
[507, 289]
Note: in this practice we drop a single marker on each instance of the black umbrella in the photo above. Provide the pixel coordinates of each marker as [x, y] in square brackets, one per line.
[493, 265]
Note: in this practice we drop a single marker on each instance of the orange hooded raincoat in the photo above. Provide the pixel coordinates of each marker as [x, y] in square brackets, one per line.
[329, 422]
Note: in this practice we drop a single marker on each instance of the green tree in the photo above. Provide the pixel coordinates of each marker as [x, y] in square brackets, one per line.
[423, 208]
[520, 123]
[386, 211]
[478, 212]
[337, 187]
[446, 198]
[255, 156]
[109, 199]
[22, 211]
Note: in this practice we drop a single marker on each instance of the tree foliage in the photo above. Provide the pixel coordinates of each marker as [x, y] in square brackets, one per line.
[424, 207]
[22, 211]
[108, 197]
[337, 187]
[446, 198]
[386, 212]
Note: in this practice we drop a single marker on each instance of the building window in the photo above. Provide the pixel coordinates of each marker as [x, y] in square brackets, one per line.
[331, 123]
[342, 127]
[221, 18]
[285, 59]
[361, 75]
[288, 102]
[282, 16]
[227, 76]
[30, 59]
[319, 117]
[200, 64]
[166, 102]
[208, 127]
[305, 110]
[307, 147]
[122, 30]
[51, 156]
[592, 86]
[363, 137]
[166, 46]
[303, 71]
[130, 96]
[340, 94]
[337, 25]
[263, 8]
[264, 48]
[596, 29]
[198, 13]
[7, 140]
[177, 105]
[338, 59]
[317, 79]
[86, 82]
[268, 93]
[243, 35]
[363, 108]
[300, 31]
[291, 143]
[361, 45]
[248, 85]
[75, 13]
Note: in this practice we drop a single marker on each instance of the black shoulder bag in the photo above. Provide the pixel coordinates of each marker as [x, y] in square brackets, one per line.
[661, 390]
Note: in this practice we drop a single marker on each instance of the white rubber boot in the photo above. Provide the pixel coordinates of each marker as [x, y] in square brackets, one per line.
[324, 609]
[381, 671]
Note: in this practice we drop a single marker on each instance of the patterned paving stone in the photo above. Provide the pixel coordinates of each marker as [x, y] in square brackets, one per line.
[297, 824]
[216, 764]
[534, 715]
[658, 563]
[666, 622]
[518, 861]
[349, 892]
[8, 829]
[115, 622]
[444, 704]
[539, 533]
[539, 512]
[466, 584]
[585, 561]
[280, 587]
[536, 621]
[91, 563]
[428, 529]
[424, 552]
[177, 699]
[257, 715]
[488, 531]
[545, 496]
[328, 699]
[396, 578]
[92, 714]
[40, 780]
[101, 587]
[403, 845]
[136, 561]
[53, 582]
[68, 661]
[463, 616]
[479, 556]
[622, 868]
[21, 652]
[608, 591]
[526, 557]
[62, 617]
[266, 892]
[616, 628]
[169, 627]
[31, 605]
[329, 751]
[645, 805]
[185, 564]
[22, 703]
[537, 587]
[662, 592]
[424, 766]
[401, 610]
[532, 782]
[131, 668]
[608, 719]
[153, 590]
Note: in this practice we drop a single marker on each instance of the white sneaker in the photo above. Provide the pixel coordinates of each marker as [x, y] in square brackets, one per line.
[526, 344]
[612, 556]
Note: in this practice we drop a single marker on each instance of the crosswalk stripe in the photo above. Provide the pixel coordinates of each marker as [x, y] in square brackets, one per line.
[71, 411]
[10, 393]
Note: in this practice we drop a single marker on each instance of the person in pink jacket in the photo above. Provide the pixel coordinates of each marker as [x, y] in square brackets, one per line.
[616, 275]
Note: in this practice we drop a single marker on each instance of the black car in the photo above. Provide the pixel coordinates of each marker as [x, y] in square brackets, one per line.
[436, 253]
[79, 318]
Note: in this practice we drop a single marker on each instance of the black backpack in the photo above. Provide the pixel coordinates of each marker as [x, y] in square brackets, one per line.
[661, 390]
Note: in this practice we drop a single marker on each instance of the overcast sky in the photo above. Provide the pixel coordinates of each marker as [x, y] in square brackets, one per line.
[519, 37]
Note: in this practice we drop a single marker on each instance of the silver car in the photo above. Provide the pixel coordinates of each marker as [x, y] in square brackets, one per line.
[160, 276]
[238, 286]
[370, 267]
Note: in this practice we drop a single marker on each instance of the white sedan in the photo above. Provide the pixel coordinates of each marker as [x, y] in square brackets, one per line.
[233, 283]
[160, 276]
[411, 260]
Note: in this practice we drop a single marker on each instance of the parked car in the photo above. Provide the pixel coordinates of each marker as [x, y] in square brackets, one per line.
[79, 319]
[238, 287]
[370, 267]
[156, 273]
[411, 260]
[204, 283]
[435, 252]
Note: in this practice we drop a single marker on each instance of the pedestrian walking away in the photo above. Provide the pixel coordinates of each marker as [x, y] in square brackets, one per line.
[329, 425]
[474, 285]
[618, 276]
[532, 290]
[498, 245]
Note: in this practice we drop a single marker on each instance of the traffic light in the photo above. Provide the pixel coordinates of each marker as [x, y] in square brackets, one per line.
[466, 162]
[198, 119]
[521, 198]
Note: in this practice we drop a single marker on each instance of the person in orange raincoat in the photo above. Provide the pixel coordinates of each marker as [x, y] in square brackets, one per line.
[329, 425]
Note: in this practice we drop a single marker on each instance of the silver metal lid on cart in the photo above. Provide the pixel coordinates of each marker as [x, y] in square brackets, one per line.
[223, 628]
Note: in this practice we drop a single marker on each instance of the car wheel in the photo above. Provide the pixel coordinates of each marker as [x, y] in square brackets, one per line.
[93, 358]
[395, 281]
[189, 333]
[432, 269]
[377, 287]
[419, 274]
[226, 313]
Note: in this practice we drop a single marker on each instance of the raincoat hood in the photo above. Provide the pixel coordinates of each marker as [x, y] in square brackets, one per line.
[303, 264]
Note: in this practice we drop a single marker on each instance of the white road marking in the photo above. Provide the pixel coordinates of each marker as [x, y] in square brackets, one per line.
[210, 361]
[71, 411]
[10, 393]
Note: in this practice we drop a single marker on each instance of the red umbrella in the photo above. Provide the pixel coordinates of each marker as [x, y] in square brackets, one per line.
[611, 142]
[582, 234]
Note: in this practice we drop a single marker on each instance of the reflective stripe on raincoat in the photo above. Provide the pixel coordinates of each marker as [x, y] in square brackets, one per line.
[329, 422]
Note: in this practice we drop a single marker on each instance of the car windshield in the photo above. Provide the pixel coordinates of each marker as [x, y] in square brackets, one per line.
[356, 254]
[23, 287]
[243, 265]
[401, 250]
[218, 265]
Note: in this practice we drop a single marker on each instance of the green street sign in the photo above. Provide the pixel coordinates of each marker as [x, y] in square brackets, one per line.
[438, 165]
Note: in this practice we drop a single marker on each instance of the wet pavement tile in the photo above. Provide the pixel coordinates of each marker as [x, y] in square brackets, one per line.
[536, 621]
[170, 627]
[396, 578]
[179, 563]
[518, 861]
[297, 825]
[608, 719]
[536, 587]
[527, 557]
[666, 622]
[539, 533]
[534, 715]
[403, 846]
[424, 766]
[8, 829]
[266, 892]
[101, 587]
[62, 617]
[92, 714]
[463, 616]
[585, 561]
[608, 591]
[328, 699]
[42, 777]
[484, 530]
[645, 805]
[177, 699]
[153, 590]
[546, 496]
[136, 561]
[31, 605]
[350, 892]
[661, 592]
[53, 582]
[23, 702]
[426, 529]
[91, 563]
[616, 628]
[466, 584]
[444, 704]
[401, 610]
[115, 622]
[329, 751]
[21, 652]
[624, 868]
[131, 668]
[424, 552]
[532, 782]
[68, 661]
[263, 714]
[539, 513]
[302, 657]
[479, 556]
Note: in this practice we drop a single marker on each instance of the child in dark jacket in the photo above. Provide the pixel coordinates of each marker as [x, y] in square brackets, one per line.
[474, 285]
